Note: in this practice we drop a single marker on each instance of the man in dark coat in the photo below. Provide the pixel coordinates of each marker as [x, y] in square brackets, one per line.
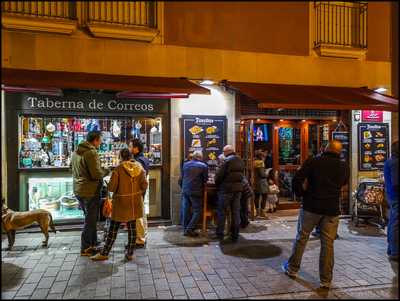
[193, 179]
[228, 180]
[391, 173]
[325, 175]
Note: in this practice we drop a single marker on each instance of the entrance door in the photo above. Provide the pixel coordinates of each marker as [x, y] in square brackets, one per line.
[287, 155]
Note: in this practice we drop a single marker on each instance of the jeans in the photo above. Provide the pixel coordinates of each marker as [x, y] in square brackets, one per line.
[90, 207]
[112, 235]
[190, 220]
[393, 228]
[229, 201]
[328, 227]
[181, 211]
[263, 200]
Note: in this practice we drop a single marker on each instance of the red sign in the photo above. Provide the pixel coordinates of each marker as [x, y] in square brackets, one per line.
[372, 116]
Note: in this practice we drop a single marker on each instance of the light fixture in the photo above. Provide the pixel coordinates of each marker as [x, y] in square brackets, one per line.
[303, 120]
[258, 119]
[380, 90]
[281, 120]
[207, 82]
[334, 120]
[280, 109]
[40, 91]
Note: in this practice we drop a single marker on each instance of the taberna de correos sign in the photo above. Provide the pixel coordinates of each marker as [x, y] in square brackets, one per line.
[86, 103]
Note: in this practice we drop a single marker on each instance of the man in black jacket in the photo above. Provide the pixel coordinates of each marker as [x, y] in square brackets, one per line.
[228, 180]
[319, 182]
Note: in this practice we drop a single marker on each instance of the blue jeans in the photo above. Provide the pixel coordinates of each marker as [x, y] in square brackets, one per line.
[190, 220]
[393, 228]
[328, 228]
[229, 201]
[90, 207]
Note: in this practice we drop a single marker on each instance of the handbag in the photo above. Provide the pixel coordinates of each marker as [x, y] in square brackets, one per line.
[107, 207]
[273, 189]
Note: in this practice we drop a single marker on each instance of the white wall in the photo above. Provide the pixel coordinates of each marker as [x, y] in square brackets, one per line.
[355, 174]
[218, 103]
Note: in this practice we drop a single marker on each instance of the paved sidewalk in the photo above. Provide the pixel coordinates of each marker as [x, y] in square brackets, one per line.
[177, 267]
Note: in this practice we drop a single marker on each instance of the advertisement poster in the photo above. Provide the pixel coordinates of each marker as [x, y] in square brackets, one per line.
[371, 116]
[373, 145]
[343, 137]
[206, 134]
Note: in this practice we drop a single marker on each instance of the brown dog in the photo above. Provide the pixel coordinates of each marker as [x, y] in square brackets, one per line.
[11, 221]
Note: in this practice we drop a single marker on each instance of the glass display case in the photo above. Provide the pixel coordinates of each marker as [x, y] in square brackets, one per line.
[48, 142]
[55, 195]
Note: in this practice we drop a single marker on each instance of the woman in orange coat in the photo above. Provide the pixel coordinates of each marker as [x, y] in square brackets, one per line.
[128, 182]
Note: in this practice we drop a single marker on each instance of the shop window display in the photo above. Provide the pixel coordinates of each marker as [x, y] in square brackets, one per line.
[48, 143]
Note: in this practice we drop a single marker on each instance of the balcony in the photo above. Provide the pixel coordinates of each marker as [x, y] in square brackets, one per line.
[340, 29]
[45, 16]
[135, 20]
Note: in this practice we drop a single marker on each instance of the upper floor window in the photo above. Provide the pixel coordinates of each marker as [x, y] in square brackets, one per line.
[341, 24]
[49, 9]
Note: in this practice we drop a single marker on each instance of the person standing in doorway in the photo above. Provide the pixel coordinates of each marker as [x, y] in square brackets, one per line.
[127, 183]
[87, 181]
[228, 180]
[325, 175]
[136, 148]
[268, 159]
[261, 184]
[391, 174]
[194, 177]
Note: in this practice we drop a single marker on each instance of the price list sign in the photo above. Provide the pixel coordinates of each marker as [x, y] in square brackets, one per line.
[206, 134]
[373, 145]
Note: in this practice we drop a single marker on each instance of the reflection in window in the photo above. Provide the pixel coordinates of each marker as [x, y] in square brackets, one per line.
[312, 140]
[289, 146]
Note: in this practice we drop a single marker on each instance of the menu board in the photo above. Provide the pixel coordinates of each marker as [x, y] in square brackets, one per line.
[206, 134]
[373, 145]
[343, 137]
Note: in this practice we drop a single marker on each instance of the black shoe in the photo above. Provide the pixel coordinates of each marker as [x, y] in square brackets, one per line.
[190, 233]
[393, 258]
[244, 225]
[140, 246]
[234, 239]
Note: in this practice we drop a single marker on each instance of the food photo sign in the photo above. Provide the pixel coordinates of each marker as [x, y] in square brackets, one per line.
[206, 134]
[373, 145]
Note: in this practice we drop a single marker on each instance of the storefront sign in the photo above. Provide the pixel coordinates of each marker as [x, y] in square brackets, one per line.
[372, 116]
[88, 103]
[343, 137]
[206, 134]
[373, 145]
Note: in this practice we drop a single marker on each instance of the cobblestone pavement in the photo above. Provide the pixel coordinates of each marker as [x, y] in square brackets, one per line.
[176, 267]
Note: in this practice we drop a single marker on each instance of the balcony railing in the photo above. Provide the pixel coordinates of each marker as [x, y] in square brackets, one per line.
[136, 13]
[48, 9]
[342, 24]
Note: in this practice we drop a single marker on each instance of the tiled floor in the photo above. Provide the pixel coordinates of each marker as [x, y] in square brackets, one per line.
[176, 267]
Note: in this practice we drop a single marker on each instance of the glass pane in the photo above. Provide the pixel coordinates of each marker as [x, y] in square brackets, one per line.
[312, 140]
[48, 142]
[55, 195]
[289, 146]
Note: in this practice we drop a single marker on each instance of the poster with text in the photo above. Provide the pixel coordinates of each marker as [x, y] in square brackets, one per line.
[373, 145]
[206, 134]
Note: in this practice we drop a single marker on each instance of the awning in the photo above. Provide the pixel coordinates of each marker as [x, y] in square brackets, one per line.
[129, 85]
[277, 96]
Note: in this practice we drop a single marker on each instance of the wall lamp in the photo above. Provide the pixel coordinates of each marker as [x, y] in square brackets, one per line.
[380, 90]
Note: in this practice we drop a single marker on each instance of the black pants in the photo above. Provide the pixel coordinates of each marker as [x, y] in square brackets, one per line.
[263, 200]
[229, 201]
[112, 235]
[244, 211]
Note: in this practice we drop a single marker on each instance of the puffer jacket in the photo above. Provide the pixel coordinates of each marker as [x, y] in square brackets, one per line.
[86, 171]
[247, 192]
[229, 176]
[128, 182]
[260, 177]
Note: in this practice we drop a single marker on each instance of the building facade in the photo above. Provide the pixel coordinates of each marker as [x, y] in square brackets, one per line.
[338, 44]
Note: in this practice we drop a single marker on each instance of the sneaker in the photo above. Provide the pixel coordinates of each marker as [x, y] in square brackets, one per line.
[88, 252]
[285, 269]
[99, 257]
[325, 285]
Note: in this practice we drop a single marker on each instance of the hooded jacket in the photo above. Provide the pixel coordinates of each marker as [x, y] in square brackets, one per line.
[86, 170]
[128, 182]
[228, 178]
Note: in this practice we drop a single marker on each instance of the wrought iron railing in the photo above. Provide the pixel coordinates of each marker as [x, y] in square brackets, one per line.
[51, 9]
[138, 13]
[341, 24]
